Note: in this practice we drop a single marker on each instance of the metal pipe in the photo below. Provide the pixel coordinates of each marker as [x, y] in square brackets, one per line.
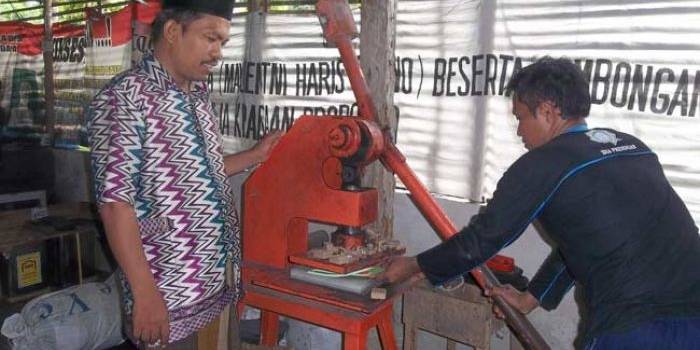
[351, 284]
[528, 335]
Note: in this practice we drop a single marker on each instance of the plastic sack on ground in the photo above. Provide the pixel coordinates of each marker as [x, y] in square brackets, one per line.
[84, 317]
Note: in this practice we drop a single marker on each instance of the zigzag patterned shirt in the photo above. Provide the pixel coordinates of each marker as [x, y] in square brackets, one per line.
[159, 149]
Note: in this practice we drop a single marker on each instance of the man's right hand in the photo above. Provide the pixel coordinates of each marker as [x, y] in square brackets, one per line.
[399, 269]
[150, 314]
[150, 318]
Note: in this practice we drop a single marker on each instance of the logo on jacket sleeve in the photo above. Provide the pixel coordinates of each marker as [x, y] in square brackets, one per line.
[603, 136]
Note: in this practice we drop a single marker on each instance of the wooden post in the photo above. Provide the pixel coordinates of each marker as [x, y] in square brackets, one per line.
[377, 43]
[256, 23]
[487, 20]
[47, 46]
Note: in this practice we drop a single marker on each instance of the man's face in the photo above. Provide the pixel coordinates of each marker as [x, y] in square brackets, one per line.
[197, 48]
[533, 129]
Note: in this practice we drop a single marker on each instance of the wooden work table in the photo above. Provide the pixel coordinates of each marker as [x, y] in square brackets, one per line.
[461, 315]
[16, 227]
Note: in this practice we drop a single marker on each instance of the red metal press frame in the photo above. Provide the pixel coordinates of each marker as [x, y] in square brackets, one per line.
[301, 182]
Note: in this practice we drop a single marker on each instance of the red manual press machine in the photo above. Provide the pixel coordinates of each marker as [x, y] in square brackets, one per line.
[313, 175]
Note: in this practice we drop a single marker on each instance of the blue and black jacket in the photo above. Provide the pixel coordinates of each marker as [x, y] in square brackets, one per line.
[619, 230]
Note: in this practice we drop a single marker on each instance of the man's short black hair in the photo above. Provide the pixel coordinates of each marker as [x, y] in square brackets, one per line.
[182, 16]
[557, 80]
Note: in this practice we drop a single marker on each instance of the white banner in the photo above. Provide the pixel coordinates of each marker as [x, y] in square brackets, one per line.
[642, 61]
[85, 58]
[453, 60]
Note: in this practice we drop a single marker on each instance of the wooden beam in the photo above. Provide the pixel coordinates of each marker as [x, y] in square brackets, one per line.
[258, 5]
[255, 27]
[49, 95]
[377, 43]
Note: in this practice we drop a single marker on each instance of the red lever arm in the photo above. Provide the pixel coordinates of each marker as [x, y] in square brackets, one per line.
[339, 29]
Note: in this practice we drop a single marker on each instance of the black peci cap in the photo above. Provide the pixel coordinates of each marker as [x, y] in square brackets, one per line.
[221, 8]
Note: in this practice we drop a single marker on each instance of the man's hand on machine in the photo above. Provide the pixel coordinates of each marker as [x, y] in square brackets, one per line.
[399, 269]
[263, 148]
[521, 301]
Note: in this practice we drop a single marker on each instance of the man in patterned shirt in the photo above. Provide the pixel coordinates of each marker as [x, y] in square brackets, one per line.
[161, 181]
